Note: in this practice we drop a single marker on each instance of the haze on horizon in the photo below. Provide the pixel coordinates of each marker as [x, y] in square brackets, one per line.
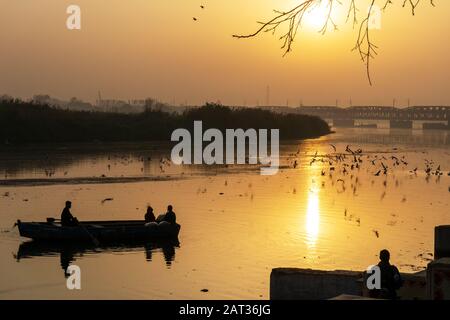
[153, 48]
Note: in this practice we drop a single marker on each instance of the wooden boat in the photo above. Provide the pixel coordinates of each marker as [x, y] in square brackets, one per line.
[101, 231]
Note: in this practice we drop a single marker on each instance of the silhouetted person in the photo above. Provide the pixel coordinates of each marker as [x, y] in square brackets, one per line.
[170, 216]
[67, 219]
[149, 215]
[391, 279]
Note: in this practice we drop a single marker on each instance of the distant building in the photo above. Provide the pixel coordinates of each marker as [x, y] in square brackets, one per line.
[74, 104]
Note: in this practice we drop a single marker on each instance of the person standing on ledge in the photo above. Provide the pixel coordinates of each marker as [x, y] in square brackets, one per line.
[391, 279]
[170, 216]
[67, 219]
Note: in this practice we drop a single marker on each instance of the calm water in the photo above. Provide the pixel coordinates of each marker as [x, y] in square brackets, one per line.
[236, 224]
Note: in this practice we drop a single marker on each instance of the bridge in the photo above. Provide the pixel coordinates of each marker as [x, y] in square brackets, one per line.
[426, 117]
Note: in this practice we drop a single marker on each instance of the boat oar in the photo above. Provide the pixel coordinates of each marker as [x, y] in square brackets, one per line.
[94, 239]
[91, 236]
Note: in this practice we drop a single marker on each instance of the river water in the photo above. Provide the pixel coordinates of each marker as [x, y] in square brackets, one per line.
[236, 224]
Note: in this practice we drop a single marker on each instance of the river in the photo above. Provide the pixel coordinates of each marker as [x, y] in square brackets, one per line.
[236, 224]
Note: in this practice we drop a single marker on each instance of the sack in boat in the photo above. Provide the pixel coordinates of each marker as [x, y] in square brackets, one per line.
[151, 225]
[164, 225]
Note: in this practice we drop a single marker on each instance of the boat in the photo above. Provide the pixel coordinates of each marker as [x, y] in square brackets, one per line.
[98, 231]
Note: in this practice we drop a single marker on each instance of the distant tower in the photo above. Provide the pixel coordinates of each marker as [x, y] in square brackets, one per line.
[394, 102]
[99, 102]
[351, 102]
[267, 95]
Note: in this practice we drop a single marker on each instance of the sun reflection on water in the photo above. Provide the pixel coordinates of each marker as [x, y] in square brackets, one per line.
[312, 217]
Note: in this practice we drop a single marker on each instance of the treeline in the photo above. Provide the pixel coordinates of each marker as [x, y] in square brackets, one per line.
[28, 122]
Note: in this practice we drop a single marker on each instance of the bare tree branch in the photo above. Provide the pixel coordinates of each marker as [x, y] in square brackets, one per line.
[293, 18]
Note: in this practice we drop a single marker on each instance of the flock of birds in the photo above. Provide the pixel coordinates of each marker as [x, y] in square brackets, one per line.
[343, 167]
[352, 160]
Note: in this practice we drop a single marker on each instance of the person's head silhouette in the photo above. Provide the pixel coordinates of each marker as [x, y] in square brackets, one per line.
[149, 209]
[68, 204]
[169, 208]
[385, 256]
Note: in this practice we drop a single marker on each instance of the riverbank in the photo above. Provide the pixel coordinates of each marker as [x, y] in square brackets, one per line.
[26, 122]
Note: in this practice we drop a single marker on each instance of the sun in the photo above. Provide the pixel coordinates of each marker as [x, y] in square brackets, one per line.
[316, 16]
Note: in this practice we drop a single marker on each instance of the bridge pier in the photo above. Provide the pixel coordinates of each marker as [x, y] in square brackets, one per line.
[431, 125]
[401, 124]
[343, 123]
[372, 123]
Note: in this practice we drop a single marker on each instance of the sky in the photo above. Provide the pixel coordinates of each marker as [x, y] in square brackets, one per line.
[153, 48]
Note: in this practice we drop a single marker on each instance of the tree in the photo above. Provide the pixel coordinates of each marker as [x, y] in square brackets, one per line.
[293, 18]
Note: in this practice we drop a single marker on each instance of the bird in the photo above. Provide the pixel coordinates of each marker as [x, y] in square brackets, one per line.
[107, 199]
[202, 6]
[194, 18]
[334, 147]
[349, 150]
[378, 173]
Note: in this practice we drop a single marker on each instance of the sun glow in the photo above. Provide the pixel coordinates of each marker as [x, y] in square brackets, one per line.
[316, 16]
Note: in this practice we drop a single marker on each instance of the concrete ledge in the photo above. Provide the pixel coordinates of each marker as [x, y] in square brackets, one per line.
[414, 286]
[350, 297]
[438, 279]
[308, 284]
[441, 242]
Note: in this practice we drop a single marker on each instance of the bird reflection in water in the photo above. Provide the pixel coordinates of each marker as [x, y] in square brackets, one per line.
[68, 253]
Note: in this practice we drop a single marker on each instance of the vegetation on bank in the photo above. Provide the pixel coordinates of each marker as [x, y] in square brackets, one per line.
[28, 122]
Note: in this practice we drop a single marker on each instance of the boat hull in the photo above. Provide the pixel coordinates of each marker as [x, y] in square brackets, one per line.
[103, 231]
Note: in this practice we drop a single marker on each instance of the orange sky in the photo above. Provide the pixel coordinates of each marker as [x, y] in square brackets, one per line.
[141, 48]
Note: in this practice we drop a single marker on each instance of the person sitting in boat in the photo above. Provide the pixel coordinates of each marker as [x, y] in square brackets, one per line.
[149, 215]
[170, 216]
[67, 219]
